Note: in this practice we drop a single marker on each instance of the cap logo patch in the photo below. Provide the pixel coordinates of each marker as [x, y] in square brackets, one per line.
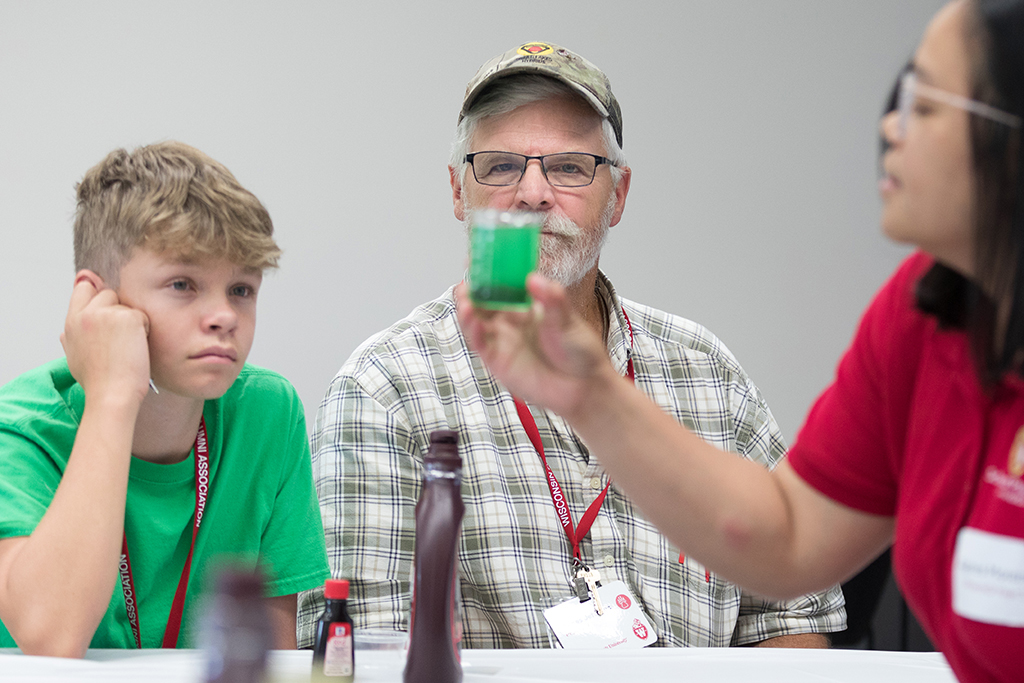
[534, 49]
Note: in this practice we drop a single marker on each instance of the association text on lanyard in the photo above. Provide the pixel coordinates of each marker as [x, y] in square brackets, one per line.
[125, 568]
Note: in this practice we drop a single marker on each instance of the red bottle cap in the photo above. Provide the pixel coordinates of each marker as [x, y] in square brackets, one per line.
[336, 589]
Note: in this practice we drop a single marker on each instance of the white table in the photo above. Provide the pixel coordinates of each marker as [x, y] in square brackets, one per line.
[737, 665]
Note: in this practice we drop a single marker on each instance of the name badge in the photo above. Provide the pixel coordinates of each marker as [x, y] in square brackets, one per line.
[988, 577]
[620, 624]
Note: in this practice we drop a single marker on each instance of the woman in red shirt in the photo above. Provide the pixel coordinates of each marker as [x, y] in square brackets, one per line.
[919, 442]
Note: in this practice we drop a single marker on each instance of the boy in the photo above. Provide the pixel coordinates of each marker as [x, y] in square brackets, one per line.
[153, 448]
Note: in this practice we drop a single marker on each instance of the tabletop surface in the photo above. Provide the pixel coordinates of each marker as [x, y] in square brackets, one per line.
[746, 665]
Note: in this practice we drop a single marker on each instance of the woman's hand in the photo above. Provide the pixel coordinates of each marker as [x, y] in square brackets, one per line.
[548, 355]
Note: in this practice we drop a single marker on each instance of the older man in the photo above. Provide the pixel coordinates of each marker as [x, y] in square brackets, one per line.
[534, 104]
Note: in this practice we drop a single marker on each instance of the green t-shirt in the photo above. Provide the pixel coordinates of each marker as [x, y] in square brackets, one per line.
[261, 506]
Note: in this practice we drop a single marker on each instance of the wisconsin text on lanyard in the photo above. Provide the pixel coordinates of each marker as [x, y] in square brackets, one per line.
[125, 566]
[559, 498]
[583, 576]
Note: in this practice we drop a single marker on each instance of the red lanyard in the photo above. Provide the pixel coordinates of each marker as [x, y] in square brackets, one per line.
[557, 497]
[577, 534]
[125, 567]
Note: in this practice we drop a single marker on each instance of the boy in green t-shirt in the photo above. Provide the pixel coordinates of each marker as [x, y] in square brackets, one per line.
[153, 450]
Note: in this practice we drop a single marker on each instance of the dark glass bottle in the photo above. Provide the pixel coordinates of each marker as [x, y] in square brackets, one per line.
[236, 632]
[333, 652]
[434, 627]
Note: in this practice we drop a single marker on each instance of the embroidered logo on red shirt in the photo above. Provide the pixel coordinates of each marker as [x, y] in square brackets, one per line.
[1015, 463]
[1008, 488]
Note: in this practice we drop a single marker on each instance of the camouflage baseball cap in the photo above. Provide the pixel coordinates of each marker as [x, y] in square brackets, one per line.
[548, 59]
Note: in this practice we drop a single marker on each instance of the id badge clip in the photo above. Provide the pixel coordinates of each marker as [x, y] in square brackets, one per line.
[599, 616]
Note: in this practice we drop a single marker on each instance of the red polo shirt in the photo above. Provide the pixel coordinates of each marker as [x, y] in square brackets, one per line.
[907, 430]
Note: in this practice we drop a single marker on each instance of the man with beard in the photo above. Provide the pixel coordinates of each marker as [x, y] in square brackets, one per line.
[525, 110]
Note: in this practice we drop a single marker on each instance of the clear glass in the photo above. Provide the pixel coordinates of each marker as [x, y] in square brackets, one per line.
[911, 88]
[381, 649]
[566, 169]
[504, 248]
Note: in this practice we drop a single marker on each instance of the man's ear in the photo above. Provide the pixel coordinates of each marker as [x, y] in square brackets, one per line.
[93, 277]
[621, 190]
[457, 203]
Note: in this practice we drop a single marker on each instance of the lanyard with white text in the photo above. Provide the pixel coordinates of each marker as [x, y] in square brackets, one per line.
[575, 535]
[125, 567]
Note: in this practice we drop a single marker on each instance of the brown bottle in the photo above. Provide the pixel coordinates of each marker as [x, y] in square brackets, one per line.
[434, 628]
[236, 632]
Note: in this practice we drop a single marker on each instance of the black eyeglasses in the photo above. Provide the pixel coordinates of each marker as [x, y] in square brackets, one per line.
[567, 169]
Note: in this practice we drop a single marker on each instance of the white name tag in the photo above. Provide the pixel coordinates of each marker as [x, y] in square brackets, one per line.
[988, 577]
[578, 626]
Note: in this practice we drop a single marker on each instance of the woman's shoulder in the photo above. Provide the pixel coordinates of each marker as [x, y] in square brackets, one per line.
[893, 315]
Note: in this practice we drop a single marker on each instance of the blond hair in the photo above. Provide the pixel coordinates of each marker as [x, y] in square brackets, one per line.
[170, 198]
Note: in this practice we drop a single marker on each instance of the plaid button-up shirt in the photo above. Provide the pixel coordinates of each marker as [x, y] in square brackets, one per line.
[373, 428]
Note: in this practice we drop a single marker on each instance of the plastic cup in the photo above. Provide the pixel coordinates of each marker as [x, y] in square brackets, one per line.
[380, 639]
[381, 652]
[503, 249]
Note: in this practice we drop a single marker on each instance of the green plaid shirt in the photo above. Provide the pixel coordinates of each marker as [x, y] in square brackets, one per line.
[373, 428]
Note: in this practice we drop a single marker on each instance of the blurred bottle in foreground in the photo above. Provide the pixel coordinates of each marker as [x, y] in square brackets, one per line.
[333, 656]
[236, 632]
[435, 630]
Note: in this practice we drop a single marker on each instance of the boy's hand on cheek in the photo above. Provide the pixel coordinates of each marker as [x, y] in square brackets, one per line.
[106, 344]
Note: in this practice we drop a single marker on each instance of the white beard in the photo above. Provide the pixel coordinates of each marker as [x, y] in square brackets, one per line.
[567, 252]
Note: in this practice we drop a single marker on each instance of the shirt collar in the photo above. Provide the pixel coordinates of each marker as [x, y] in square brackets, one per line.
[619, 342]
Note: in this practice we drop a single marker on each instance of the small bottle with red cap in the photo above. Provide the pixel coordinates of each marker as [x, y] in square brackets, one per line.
[333, 653]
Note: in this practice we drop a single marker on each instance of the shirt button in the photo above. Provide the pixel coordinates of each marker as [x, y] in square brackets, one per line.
[609, 560]
[595, 483]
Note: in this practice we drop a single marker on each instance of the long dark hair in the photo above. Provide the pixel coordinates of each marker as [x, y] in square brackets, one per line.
[991, 307]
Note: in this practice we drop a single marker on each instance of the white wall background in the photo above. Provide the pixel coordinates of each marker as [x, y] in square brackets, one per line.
[751, 128]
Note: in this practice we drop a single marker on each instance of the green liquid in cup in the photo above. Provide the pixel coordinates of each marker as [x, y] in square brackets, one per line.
[500, 259]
